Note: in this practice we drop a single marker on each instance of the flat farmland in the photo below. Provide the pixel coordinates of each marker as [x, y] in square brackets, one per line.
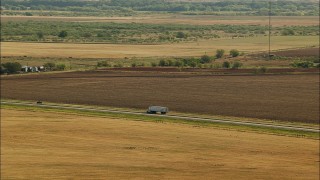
[308, 52]
[277, 97]
[181, 19]
[65, 50]
[40, 145]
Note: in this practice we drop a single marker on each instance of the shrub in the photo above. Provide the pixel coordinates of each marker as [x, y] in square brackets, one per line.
[205, 59]
[316, 60]
[226, 64]
[61, 67]
[193, 64]
[119, 65]
[63, 34]
[178, 63]
[2, 70]
[49, 66]
[28, 14]
[181, 35]
[10, 67]
[162, 63]
[103, 64]
[141, 65]
[287, 32]
[153, 64]
[262, 69]
[219, 53]
[302, 64]
[236, 65]
[134, 65]
[170, 63]
[40, 35]
[234, 53]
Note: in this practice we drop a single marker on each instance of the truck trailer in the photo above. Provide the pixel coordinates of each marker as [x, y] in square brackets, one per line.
[155, 109]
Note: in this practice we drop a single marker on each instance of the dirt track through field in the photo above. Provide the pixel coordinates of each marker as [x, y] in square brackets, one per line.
[279, 97]
[44, 145]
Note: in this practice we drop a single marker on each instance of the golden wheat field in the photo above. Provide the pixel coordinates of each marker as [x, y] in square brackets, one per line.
[44, 145]
[252, 44]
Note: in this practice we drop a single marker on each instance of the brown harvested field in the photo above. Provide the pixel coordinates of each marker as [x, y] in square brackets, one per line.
[279, 97]
[307, 52]
[43, 145]
[182, 19]
[65, 50]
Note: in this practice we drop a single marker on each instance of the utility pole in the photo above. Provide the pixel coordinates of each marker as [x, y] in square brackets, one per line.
[269, 29]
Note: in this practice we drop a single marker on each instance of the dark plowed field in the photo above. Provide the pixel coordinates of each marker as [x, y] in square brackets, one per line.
[309, 52]
[280, 97]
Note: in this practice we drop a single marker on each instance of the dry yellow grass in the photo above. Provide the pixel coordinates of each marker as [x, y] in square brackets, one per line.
[43, 145]
[181, 19]
[252, 44]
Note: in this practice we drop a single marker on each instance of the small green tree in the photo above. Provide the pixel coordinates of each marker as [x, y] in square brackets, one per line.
[234, 53]
[226, 64]
[178, 63]
[193, 64]
[205, 59]
[170, 63]
[28, 14]
[181, 35]
[63, 34]
[162, 62]
[219, 53]
[236, 65]
[12, 67]
[40, 35]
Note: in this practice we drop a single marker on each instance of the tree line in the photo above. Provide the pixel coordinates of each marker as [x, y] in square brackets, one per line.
[250, 7]
[15, 67]
[135, 33]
